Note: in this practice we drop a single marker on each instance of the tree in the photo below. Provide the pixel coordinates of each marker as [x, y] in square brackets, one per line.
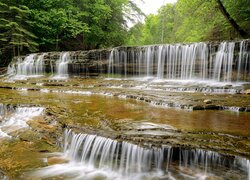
[233, 23]
[14, 29]
[197, 20]
[156, 29]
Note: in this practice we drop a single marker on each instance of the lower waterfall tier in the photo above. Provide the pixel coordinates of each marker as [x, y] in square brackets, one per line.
[92, 156]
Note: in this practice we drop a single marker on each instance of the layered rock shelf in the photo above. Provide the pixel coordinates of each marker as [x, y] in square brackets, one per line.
[225, 61]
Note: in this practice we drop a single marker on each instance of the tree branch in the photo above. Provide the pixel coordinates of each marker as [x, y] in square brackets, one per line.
[232, 22]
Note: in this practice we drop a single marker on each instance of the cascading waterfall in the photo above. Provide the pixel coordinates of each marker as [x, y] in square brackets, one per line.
[31, 66]
[62, 66]
[183, 62]
[92, 156]
[5, 109]
[242, 61]
[17, 119]
[223, 62]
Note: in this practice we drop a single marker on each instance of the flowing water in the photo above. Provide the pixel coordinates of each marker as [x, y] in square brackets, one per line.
[93, 156]
[62, 66]
[96, 157]
[16, 118]
[182, 62]
[128, 139]
[31, 66]
[225, 62]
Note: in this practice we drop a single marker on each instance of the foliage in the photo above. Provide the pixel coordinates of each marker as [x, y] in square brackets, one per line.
[55, 25]
[14, 32]
[192, 21]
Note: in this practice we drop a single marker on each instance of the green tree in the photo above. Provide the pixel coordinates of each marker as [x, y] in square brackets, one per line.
[157, 29]
[14, 29]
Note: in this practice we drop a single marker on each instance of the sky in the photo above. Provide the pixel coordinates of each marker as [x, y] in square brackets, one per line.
[151, 6]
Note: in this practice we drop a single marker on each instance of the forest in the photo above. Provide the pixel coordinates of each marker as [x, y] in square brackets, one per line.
[53, 25]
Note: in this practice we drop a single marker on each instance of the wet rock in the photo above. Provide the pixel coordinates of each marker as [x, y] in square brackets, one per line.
[228, 86]
[246, 91]
[2, 175]
[207, 101]
[212, 107]
[57, 160]
[242, 109]
[147, 100]
[141, 98]
[247, 109]
[198, 108]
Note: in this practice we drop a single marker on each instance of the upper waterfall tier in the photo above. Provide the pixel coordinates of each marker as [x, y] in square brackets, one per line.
[225, 62]
[221, 62]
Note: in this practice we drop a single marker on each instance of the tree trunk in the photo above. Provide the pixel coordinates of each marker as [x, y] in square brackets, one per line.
[57, 42]
[232, 22]
[18, 50]
[14, 52]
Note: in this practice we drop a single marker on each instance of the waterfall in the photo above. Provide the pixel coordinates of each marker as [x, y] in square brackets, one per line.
[17, 119]
[200, 61]
[213, 62]
[92, 156]
[242, 61]
[31, 66]
[223, 62]
[5, 109]
[62, 66]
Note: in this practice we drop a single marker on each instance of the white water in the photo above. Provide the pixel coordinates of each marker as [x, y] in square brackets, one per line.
[31, 66]
[62, 66]
[17, 119]
[95, 157]
[183, 62]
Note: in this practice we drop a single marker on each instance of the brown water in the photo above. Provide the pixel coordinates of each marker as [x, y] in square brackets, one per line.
[91, 109]
[104, 113]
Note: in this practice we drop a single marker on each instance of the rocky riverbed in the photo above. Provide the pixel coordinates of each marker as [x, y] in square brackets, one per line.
[149, 114]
